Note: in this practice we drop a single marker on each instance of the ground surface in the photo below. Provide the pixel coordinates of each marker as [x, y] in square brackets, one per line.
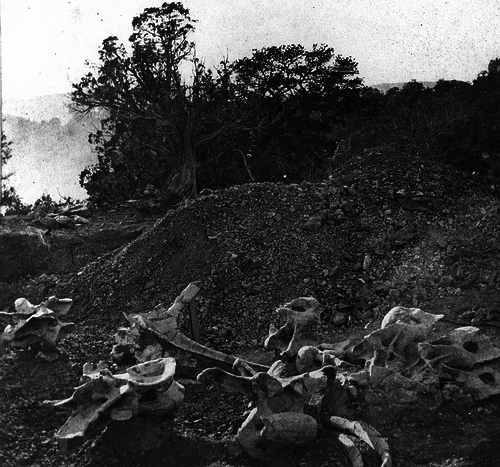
[382, 231]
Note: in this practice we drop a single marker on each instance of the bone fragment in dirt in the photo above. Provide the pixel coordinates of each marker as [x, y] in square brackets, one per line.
[277, 418]
[480, 383]
[165, 324]
[463, 348]
[414, 316]
[467, 359]
[364, 432]
[397, 339]
[400, 359]
[36, 326]
[24, 309]
[311, 358]
[351, 450]
[104, 397]
[302, 316]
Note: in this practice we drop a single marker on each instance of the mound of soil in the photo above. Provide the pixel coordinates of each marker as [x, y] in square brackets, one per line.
[382, 231]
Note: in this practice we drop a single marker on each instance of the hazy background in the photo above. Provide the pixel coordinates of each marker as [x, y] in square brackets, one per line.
[45, 44]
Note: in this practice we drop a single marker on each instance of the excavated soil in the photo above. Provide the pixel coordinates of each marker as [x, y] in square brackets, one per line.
[382, 231]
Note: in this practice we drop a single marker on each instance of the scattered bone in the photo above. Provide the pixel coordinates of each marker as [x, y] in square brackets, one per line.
[414, 316]
[351, 450]
[463, 348]
[157, 334]
[83, 209]
[36, 326]
[400, 360]
[469, 358]
[147, 388]
[480, 383]
[302, 316]
[364, 432]
[396, 342]
[277, 418]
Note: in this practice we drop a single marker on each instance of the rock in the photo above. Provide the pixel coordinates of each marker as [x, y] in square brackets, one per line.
[313, 224]
[336, 272]
[451, 257]
[394, 295]
[349, 209]
[339, 319]
[79, 220]
[419, 293]
[206, 192]
[446, 281]
[64, 222]
[81, 209]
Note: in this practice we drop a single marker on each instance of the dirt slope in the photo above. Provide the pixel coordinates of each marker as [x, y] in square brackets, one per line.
[382, 231]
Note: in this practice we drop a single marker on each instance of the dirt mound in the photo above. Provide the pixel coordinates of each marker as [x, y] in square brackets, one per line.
[382, 231]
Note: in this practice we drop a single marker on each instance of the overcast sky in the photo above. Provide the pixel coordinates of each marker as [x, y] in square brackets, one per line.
[46, 42]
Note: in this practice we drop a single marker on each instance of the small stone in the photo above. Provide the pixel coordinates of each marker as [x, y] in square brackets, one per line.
[349, 209]
[446, 281]
[79, 220]
[339, 319]
[336, 272]
[313, 224]
[394, 295]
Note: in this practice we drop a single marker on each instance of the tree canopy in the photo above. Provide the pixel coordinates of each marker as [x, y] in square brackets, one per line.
[168, 114]
[170, 125]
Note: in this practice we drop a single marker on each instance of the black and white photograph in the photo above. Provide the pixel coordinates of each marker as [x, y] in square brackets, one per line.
[250, 233]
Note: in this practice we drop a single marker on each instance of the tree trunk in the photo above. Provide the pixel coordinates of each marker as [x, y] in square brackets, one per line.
[181, 184]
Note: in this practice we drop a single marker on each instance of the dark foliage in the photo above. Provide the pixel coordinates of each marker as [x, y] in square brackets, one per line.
[213, 128]
[283, 114]
[456, 121]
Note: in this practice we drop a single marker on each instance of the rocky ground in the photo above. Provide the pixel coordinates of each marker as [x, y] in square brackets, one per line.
[382, 231]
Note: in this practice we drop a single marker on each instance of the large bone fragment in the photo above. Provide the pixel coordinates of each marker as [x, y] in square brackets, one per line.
[466, 358]
[364, 432]
[302, 316]
[351, 450]
[462, 348]
[147, 388]
[400, 359]
[165, 325]
[36, 326]
[401, 331]
[413, 316]
[480, 383]
[277, 418]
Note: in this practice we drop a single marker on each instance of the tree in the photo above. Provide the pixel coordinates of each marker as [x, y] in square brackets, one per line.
[168, 116]
[304, 93]
[156, 119]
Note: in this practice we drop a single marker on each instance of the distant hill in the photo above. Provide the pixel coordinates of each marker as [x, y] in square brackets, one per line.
[384, 87]
[39, 108]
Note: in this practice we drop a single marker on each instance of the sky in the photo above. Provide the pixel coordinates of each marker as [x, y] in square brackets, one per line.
[45, 43]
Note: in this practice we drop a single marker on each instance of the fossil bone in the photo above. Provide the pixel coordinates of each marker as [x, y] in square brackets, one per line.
[462, 348]
[364, 432]
[302, 316]
[103, 397]
[469, 358]
[480, 383]
[396, 342]
[157, 333]
[277, 417]
[36, 326]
